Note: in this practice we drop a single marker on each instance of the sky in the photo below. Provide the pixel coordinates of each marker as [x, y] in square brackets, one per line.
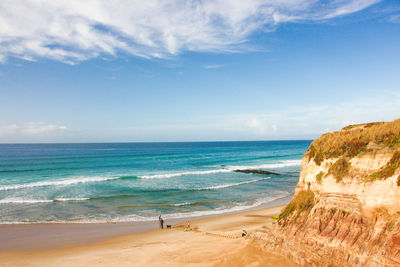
[223, 70]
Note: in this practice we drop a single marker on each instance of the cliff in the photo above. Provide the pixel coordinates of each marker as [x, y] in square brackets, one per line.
[346, 207]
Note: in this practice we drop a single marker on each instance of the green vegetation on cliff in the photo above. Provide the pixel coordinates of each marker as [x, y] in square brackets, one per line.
[365, 125]
[354, 139]
[302, 201]
[389, 169]
[340, 169]
[319, 177]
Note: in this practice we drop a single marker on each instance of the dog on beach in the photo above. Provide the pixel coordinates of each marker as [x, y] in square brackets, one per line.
[168, 226]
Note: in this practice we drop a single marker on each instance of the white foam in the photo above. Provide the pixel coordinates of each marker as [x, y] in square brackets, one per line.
[34, 201]
[237, 208]
[78, 180]
[66, 182]
[182, 204]
[177, 174]
[179, 215]
[71, 199]
[24, 201]
[282, 164]
[138, 218]
[234, 184]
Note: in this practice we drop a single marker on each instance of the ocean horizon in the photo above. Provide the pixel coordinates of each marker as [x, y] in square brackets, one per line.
[102, 182]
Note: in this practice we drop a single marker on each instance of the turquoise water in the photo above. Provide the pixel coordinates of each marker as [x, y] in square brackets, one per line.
[138, 181]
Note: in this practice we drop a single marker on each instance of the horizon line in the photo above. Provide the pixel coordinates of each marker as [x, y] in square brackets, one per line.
[154, 142]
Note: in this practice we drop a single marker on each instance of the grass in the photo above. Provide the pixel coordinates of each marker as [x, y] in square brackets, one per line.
[351, 143]
[373, 176]
[392, 223]
[366, 125]
[389, 169]
[340, 169]
[319, 177]
[302, 201]
[391, 218]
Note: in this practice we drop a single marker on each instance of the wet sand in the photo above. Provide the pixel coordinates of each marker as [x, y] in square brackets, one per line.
[56, 235]
[212, 241]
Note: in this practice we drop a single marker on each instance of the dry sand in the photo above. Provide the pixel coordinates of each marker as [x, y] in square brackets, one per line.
[212, 241]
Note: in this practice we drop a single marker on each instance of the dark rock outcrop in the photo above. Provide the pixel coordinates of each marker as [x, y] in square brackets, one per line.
[255, 171]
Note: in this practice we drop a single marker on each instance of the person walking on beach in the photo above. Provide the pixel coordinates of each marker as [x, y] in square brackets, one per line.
[161, 222]
[244, 233]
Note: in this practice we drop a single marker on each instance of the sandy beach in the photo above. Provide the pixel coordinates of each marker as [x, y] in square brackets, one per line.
[214, 241]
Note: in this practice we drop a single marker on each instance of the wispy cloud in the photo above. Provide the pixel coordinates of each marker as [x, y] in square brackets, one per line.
[312, 121]
[395, 18]
[216, 66]
[30, 129]
[287, 122]
[261, 127]
[73, 31]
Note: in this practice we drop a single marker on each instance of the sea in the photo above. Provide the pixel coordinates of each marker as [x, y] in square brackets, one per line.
[112, 182]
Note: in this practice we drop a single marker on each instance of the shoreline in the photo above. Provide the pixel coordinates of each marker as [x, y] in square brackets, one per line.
[42, 236]
[173, 216]
[212, 241]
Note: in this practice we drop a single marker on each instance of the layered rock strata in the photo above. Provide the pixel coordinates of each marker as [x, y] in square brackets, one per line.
[346, 207]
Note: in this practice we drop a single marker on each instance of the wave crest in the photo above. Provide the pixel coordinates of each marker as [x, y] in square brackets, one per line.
[78, 180]
[182, 204]
[226, 169]
[36, 201]
[57, 183]
[233, 184]
[171, 175]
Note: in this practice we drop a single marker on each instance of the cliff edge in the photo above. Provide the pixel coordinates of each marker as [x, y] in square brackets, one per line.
[346, 207]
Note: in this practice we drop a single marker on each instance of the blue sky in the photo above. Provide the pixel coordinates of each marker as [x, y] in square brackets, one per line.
[195, 70]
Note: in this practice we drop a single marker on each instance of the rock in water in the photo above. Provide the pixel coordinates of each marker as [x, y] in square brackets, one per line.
[257, 172]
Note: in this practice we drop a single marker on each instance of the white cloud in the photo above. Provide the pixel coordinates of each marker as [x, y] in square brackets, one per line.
[395, 18]
[312, 121]
[216, 66]
[288, 122]
[259, 126]
[30, 129]
[73, 31]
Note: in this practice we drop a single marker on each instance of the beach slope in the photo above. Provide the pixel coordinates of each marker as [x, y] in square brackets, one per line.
[213, 241]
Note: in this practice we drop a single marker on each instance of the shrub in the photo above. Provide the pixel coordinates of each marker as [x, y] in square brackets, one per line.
[352, 126]
[318, 156]
[391, 166]
[389, 169]
[319, 177]
[394, 141]
[340, 169]
[302, 201]
[373, 176]
[366, 125]
[354, 147]
[392, 223]
[354, 139]
[310, 152]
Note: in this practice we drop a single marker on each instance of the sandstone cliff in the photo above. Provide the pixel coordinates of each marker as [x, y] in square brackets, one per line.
[346, 206]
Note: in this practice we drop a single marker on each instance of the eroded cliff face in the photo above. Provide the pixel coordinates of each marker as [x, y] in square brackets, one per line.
[355, 192]
[346, 207]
